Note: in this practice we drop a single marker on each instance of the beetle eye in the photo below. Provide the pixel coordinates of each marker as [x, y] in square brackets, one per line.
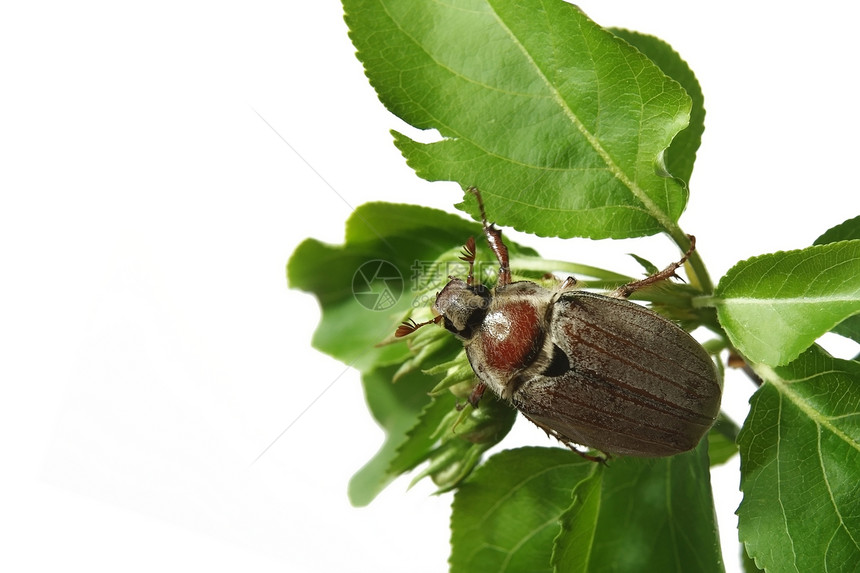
[463, 307]
[449, 326]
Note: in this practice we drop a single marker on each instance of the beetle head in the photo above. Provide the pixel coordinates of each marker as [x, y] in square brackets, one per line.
[463, 306]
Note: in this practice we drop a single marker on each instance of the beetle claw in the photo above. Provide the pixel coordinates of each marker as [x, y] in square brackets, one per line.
[624, 291]
[476, 394]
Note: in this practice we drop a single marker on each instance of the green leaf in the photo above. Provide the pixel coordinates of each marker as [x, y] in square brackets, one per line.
[682, 153]
[848, 230]
[643, 515]
[386, 269]
[395, 407]
[505, 517]
[849, 328]
[800, 466]
[748, 563]
[722, 440]
[632, 515]
[452, 440]
[844, 231]
[650, 268]
[774, 306]
[418, 429]
[420, 439]
[572, 549]
[560, 123]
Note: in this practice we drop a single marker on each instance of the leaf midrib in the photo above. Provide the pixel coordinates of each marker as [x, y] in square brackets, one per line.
[613, 167]
[650, 207]
[833, 502]
[783, 386]
[749, 300]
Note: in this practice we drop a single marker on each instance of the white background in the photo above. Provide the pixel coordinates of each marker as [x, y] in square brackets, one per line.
[150, 347]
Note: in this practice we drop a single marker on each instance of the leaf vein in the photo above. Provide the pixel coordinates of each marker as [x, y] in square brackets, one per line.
[779, 481]
[516, 487]
[650, 206]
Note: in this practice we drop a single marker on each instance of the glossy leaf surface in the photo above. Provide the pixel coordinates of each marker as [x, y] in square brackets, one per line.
[800, 453]
[846, 231]
[775, 306]
[524, 505]
[561, 124]
[643, 515]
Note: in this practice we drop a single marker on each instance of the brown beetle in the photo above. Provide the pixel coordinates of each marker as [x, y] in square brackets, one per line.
[590, 369]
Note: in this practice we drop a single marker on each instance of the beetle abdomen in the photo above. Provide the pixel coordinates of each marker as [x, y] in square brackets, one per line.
[637, 384]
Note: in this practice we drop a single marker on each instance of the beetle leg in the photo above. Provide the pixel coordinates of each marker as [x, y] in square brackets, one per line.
[625, 291]
[476, 394]
[565, 286]
[589, 457]
[474, 397]
[494, 238]
[568, 284]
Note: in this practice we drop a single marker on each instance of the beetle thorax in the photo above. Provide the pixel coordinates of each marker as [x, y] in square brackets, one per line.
[509, 338]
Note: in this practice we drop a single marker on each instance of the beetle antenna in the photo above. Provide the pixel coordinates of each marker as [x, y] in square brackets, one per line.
[625, 291]
[468, 255]
[409, 326]
[494, 238]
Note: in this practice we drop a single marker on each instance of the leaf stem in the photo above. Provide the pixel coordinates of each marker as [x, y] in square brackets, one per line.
[526, 263]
